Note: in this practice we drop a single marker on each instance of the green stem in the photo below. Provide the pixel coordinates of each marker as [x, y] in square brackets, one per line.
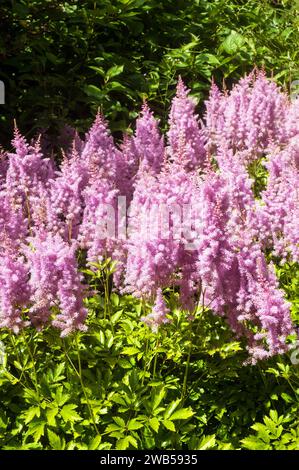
[35, 381]
[13, 343]
[156, 358]
[79, 374]
[184, 390]
[145, 359]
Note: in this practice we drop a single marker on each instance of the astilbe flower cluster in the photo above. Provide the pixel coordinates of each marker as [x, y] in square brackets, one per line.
[184, 128]
[249, 117]
[278, 212]
[55, 282]
[176, 211]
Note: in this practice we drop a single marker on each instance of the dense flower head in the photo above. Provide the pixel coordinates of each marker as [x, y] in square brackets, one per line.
[278, 213]
[14, 291]
[99, 152]
[249, 117]
[66, 194]
[148, 142]
[184, 127]
[13, 223]
[261, 303]
[157, 236]
[55, 282]
[128, 166]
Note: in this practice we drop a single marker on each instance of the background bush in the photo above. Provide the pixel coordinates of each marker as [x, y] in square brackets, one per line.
[61, 60]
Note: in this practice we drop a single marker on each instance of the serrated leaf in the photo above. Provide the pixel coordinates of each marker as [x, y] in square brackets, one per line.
[273, 415]
[133, 441]
[51, 414]
[54, 440]
[118, 420]
[123, 444]
[113, 427]
[154, 424]
[60, 397]
[262, 431]
[252, 443]
[69, 414]
[270, 425]
[134, 424]
[30, 414]
[36, 429]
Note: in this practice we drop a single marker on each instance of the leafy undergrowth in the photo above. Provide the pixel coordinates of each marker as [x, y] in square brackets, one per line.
[121, 386]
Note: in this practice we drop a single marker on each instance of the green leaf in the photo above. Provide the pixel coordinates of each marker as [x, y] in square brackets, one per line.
[252, 443]
[113, 427]
[99, 70]
[51, 414]
[30, 414]
[263, 433]
[169, 425]
[134, 424]
[207, 442]
[114, 71]
[183, 413]
[130, 351]
[94, 444]
[133, 441]
[124, 364]
[116, 86]
[54, 440]
[233, 42]
[69, 414]
[94, 92]
[123, 444]
[158, 397]
[114, 299]
[118, 420]
[154, 424]
[60, 397]
[270, 425]
[36, 429]
[170, 409]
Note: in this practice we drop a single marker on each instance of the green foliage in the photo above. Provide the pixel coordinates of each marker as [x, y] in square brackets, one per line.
[61, 60]
[274, 434]
[119, 386]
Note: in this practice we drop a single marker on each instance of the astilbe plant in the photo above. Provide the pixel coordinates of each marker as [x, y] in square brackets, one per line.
[193, 223]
